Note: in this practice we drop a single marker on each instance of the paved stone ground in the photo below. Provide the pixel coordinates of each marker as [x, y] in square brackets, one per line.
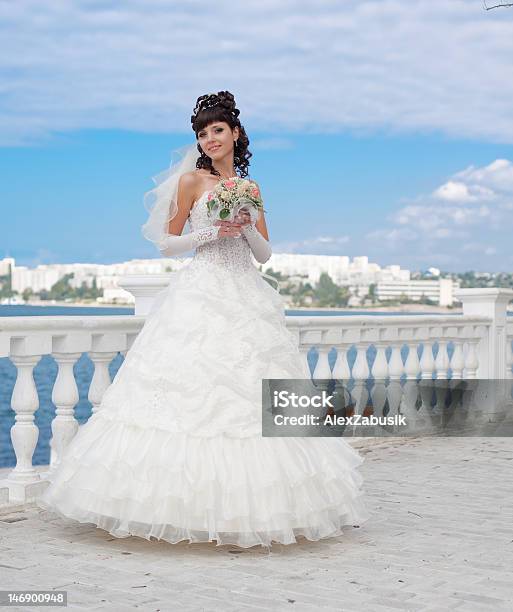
[441, 537]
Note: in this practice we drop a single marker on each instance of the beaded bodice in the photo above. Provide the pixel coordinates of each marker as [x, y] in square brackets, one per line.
[228, 251]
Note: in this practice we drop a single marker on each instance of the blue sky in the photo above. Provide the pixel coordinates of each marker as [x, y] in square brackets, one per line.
[377, 128]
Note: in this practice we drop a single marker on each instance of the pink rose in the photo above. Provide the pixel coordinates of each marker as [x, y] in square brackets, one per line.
[210, 196]
[255, 192]
[229, 184]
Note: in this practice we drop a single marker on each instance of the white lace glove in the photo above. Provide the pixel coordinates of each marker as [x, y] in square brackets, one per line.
[260, 247]
[174, 245]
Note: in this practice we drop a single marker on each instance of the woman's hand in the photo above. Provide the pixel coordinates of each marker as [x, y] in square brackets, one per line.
[228, 228]
[234, 228]
[243, 217]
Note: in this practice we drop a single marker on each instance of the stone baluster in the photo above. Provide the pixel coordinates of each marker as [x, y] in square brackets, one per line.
[101, 377]
[427, 366]
[457, 361]
[360, 374]
[24, 481]
[24, 433]
[341, 369]
[427, 361]
[441, 367]
[410, 393]
[341, 372]
[380, 374]
[412, 364]
[395, 371]
[442, 359]
[322, 370]
[67, 348]
[65, 397]
[104, 347]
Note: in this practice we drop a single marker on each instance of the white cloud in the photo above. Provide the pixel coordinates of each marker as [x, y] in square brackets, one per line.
[458, 191]
[479, 248]
[329, 66]
[328, 240]
[497, 176]
[268, 144]
[443, 232]
[468, 216]
[452, 191]
[322, 245]
[392, 237]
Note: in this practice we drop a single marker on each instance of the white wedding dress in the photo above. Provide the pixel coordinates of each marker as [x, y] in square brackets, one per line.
[175, 450]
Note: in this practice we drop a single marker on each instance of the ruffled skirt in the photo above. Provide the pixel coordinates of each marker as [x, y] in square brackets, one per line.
[175, 450]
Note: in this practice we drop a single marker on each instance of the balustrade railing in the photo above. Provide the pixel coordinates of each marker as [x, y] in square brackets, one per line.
[382, 359]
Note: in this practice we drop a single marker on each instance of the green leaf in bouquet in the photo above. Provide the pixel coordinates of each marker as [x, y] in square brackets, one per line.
[224, 213]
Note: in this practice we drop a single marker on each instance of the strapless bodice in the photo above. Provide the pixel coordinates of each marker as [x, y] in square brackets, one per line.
[230, 252]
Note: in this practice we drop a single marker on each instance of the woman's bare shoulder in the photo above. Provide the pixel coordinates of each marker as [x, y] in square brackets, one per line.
[194, 177]
[190, 182]
[189, 178]
[194, 183]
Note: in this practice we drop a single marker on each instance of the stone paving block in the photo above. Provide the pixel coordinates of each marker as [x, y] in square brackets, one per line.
[312, 595]
[382, 603]
[479, 598]
[439, 538]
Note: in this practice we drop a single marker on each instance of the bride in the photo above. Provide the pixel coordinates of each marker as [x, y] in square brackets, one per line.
[175, 450]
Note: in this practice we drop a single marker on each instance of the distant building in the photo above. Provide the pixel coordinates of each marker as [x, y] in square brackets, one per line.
[6, 264]
[391, 282]
[44, 276]
[358, 272]
[438, 290]
[309, 266]
[37, 279]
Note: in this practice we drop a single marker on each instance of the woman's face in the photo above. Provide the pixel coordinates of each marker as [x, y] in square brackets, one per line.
[217, 139]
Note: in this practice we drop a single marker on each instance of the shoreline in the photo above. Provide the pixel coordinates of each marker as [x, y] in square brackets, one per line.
[412, 308]
[72, 304]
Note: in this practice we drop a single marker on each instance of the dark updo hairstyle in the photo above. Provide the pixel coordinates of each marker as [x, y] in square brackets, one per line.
[214, 107]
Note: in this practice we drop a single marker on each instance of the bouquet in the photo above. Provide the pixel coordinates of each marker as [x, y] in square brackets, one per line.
[232, 195]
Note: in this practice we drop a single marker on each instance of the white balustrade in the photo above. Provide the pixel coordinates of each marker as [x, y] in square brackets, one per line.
[25, 340]
[475, 344]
